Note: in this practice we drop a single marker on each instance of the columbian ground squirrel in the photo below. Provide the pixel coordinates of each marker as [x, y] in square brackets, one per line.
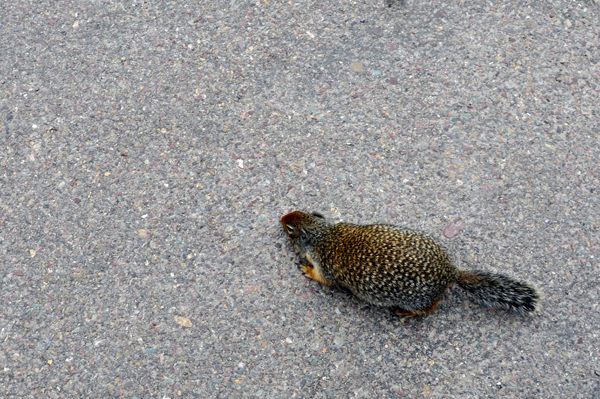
[394, 267]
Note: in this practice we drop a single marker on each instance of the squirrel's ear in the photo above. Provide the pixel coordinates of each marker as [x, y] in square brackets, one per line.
[303, 235]
[317, 214]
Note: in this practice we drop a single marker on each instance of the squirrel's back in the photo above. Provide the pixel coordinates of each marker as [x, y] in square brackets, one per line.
[385, 265]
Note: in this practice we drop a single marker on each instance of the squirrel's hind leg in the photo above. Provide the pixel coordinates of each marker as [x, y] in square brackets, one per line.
[313, 273]
[413, 313]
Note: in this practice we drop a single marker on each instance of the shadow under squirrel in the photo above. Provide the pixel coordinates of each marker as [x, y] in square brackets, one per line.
[394, 267]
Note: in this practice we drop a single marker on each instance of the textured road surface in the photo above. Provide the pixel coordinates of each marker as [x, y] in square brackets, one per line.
[148, 150]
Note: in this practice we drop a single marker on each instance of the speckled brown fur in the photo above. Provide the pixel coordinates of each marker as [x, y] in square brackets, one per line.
[393, 267]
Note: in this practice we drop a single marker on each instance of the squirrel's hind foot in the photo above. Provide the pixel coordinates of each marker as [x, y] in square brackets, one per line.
[413, 313]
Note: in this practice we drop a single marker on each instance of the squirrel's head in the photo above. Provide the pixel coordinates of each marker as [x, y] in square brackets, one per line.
[303, 228]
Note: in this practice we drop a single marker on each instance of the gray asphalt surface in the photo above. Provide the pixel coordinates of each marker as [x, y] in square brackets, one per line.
[148, 150]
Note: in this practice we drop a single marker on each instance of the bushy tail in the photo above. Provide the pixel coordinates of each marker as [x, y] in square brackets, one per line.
[498, 291]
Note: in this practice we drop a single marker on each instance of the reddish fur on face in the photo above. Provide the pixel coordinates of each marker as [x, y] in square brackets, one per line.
[291, 218]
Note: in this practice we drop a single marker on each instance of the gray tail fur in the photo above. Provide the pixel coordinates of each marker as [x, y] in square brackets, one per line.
[498, 291]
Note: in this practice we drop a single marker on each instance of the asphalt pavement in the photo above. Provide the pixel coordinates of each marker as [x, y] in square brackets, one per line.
[149, 149]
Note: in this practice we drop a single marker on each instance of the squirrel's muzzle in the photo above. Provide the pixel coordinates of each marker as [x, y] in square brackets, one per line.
[290, 218]
[289, 221]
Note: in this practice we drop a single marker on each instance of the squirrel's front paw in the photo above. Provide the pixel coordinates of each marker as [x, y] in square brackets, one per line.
[305, 269]
[313, 274]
